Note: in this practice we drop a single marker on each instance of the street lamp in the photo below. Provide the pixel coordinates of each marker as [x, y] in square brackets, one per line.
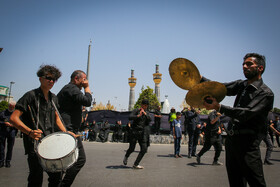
[10, 90]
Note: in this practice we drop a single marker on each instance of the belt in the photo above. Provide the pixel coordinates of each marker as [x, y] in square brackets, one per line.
[241, 132]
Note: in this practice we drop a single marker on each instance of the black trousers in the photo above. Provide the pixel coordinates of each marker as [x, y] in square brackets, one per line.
[92, 135]
[271, 137]
[142, 139]
[35, 177]
[8, 137]
[72, 172]
[210, 140]
[157, 127]
[269, 146]
[193, 140]
[243, 160]
[277, 139]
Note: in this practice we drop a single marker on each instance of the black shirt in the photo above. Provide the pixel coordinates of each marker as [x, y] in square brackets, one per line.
[71, 100]
[252, 104]
[47, 122]
[212, 128]
[157, 119]
[139, 123]
[191, 119]
[5, 117]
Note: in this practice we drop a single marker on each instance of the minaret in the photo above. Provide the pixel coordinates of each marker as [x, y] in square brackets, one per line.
[132, 83]
[157, 80]
[88, 61]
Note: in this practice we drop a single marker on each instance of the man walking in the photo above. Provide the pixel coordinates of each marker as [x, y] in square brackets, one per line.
[139, 132]
[212, 137]
[71, 101]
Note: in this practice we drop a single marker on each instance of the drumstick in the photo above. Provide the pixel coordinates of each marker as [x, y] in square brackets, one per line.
[33, 123]
[32, 117]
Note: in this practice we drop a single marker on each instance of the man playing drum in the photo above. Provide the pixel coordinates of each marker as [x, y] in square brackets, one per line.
[36, 117]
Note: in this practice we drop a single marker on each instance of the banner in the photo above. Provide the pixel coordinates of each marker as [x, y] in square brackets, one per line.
[4, 90]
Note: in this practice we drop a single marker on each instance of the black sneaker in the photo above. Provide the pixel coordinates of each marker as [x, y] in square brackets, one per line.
[1, 164]
[8, 165]
[198, 159]
[267, 162]
[125, 160]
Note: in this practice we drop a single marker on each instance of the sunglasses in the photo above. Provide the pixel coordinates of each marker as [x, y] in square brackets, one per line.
[49, 78]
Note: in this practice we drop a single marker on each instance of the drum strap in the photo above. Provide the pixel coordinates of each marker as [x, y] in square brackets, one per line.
[58, 114]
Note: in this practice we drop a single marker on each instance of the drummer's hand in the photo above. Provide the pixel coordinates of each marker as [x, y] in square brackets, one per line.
[73, 134]
[214, 105]
[36, 134]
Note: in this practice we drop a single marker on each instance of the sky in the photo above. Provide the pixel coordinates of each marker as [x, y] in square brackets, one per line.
[126, 34]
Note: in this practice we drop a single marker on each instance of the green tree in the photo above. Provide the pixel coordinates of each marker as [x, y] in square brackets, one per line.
[3, 105]
[277, 110]
[150, 95]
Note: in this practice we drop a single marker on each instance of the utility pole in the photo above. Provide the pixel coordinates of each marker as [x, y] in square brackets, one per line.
[11, 83]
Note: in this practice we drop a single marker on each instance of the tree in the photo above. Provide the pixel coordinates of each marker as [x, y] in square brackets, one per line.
[202, 110]
[276, 110]
[3, 105]
[150, 95]
[100, 106]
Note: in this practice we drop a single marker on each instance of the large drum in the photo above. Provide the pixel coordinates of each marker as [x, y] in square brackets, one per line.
[57, 152]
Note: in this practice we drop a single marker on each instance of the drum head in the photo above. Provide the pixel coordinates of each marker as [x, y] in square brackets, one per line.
[56, 145]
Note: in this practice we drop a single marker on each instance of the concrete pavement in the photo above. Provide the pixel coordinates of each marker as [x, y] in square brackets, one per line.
[104, 168]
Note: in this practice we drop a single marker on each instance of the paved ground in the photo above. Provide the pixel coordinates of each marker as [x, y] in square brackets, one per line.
[104, 168]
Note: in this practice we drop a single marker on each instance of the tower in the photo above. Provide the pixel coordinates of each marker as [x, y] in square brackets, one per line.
[131, 83]
[88, 61]
[157, 80]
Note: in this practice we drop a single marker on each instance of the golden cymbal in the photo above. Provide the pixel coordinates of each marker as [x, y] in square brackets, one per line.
[195, 97]
[184, 73]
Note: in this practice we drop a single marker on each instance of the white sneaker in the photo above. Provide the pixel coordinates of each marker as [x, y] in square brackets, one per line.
[138, 167]
[217, 163]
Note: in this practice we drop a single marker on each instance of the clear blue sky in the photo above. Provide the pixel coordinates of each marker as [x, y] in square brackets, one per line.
[127, 34]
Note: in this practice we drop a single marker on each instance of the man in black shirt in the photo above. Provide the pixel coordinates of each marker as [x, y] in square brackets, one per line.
[7, 134]
[212, 137]
[193, 126]
[139, 132]
[249, 114]
[276, 125]
[39, 104]
[71, 100]
[186, 121]
[157, 120]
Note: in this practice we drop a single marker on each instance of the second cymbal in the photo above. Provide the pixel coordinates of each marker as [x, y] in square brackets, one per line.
[184, 73]
[195, 97]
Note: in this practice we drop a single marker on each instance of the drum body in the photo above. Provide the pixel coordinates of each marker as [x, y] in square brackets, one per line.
[57, 152]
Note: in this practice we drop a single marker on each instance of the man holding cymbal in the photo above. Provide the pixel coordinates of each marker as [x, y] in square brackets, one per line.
[247, 128]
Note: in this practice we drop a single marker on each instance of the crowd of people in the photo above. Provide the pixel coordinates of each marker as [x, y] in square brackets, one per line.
[39, 113]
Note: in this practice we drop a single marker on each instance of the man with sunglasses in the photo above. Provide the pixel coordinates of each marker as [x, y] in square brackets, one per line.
[248, 122]
[71, 101]
[39, 104]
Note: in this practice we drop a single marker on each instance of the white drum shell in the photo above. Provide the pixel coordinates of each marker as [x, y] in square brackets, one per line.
[57, 152]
